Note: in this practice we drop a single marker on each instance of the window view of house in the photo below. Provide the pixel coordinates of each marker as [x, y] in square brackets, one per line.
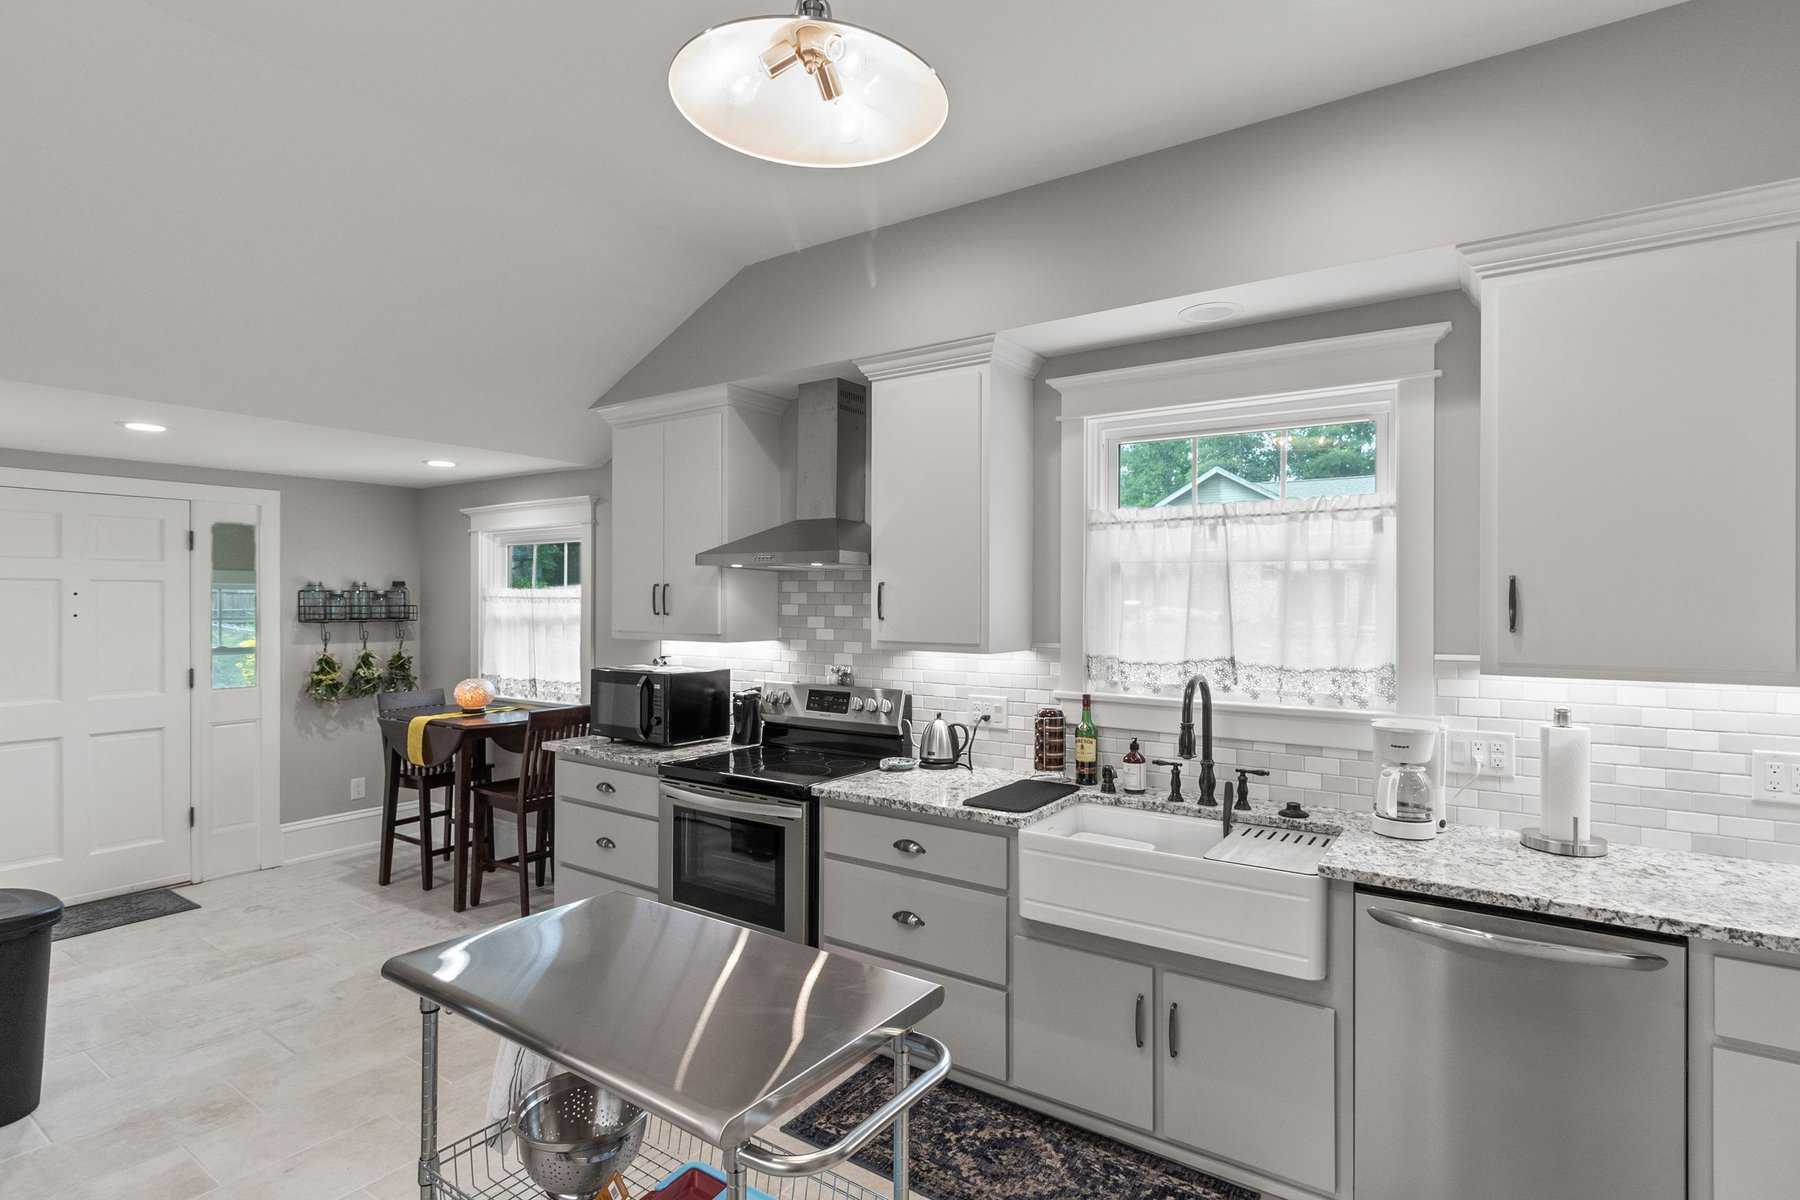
[1297, 463]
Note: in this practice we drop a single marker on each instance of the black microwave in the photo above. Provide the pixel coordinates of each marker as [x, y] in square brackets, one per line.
[661, 706]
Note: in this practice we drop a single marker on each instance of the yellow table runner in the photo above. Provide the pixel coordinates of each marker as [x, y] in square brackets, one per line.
[415, 729]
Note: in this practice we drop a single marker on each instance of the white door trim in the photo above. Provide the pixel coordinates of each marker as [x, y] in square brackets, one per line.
[268, 600]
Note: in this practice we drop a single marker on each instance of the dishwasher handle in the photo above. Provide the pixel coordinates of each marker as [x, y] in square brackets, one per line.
[1463, 938]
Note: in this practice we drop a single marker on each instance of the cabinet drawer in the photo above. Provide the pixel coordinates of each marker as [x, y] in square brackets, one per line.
[977, 858]
[957, 929]
[595, 839]
[1757, 1002]
[573, 884]
[972, 1021]
[1754, 1151]
[607, 785]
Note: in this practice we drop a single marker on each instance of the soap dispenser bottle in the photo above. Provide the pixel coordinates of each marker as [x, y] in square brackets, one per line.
[1132, 778]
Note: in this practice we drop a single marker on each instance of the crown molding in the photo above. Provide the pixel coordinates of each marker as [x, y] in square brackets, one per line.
[1705, 218]
[942, 356]
[700, 399]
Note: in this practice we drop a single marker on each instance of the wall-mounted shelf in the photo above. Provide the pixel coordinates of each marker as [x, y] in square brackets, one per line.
[325, 614]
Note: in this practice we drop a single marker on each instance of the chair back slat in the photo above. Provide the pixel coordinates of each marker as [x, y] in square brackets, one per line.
[537, 766]
[389, 701]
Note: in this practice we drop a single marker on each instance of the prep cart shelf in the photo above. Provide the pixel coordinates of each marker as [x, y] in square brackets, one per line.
[485, 1166]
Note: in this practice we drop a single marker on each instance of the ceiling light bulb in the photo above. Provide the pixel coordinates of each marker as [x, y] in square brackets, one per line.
[144, 427]
[443, 464]
[792, 117]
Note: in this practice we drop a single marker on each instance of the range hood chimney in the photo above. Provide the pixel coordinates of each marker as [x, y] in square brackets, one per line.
[831, 484]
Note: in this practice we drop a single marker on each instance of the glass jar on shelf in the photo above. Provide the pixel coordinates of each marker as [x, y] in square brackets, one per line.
[396, 600]
[312, 601]
[362, 601]
[337, 606]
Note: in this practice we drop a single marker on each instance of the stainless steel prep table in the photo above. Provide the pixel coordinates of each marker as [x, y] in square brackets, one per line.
[711, 1027]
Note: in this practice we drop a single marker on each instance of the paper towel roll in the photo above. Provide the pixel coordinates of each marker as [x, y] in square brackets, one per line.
[1563, 792]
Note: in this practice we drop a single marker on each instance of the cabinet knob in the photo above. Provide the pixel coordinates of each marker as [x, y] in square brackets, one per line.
[606, 843]
[911, 920]
[605, 788]
[908, 846]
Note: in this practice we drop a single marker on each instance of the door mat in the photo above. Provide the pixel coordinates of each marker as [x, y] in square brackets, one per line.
[114, 911]
[967, 1145]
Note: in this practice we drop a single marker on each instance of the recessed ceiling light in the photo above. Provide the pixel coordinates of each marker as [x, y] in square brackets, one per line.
[442, 464]
[144, 427]
[1210, 313]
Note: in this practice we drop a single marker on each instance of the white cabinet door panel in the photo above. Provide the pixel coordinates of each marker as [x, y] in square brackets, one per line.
[927, 493]
[1081, 1031]
[637, 543]
[693, 521]
[1640, 432]
[1755, 1153]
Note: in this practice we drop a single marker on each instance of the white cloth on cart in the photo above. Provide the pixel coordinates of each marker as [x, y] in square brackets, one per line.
[516, 1071]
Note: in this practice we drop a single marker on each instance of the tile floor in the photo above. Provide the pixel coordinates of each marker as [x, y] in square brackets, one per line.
[249, 1050]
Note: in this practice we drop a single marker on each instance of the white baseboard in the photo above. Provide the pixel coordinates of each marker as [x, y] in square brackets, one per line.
[348, 832]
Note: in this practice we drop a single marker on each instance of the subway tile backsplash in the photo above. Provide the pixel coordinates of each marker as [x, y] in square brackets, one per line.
[1671, 762]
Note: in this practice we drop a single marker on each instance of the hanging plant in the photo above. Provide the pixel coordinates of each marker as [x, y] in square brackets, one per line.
[400, 674]
[326, 683]
[365, 675]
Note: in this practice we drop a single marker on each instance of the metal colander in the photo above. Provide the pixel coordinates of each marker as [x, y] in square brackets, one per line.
[573, 1136]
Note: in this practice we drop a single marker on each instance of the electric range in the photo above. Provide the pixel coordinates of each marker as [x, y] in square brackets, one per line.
[740, 827]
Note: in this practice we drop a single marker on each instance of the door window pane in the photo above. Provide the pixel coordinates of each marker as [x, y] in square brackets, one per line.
[233, 606]
[1331, 460]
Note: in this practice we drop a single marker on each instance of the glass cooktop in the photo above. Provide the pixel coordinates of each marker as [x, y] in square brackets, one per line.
[769, 767]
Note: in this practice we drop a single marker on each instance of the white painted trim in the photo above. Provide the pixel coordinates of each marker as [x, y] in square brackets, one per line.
[1723, 214]
[700, 399]
[1339, 728]
[941, 356]
[269, 599]
[336, 833]
[530, 514]
[1459, 658]
[1403, 362]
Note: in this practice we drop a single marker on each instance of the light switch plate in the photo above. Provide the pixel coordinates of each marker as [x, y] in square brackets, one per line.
[1774, 777]
[359, 788]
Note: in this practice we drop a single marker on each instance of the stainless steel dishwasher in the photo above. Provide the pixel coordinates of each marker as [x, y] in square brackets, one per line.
[1499, 1058]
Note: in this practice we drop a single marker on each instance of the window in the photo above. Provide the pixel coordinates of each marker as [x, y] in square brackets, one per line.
[544, 565]
[233, 605]
[1255, 549]
[530, 641]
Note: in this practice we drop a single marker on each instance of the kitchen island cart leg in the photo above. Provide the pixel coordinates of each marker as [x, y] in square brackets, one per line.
[428, 1066]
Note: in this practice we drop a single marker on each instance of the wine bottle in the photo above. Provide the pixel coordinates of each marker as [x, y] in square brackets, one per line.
[1087, 746]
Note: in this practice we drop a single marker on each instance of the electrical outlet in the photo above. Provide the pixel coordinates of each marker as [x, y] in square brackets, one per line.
[1775, 777]
[993, 707]
[1493, 754]
[359, 788]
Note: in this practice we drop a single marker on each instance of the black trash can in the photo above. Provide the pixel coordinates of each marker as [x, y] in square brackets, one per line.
[25, 921]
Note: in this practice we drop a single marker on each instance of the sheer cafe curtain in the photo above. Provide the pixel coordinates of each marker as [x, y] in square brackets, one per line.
[1280, 601]
[531, 641]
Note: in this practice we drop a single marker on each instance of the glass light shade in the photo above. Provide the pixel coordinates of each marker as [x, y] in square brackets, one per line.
[890, 101]
[473, 695]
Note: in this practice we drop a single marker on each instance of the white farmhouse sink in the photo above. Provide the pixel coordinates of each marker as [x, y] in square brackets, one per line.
[1145, 877]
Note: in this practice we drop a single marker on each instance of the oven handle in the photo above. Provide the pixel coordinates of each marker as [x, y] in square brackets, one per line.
[760, 810]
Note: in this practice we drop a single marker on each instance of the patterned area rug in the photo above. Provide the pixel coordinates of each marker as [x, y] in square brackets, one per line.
[114, 911]
[970, 1146]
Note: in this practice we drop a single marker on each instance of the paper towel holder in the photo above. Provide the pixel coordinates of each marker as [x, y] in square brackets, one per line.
[1535, 838]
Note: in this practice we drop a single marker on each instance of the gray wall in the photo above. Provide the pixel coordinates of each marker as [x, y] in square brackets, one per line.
[1685, 101]
[335, 532]
[1458, 440]
[444, 537]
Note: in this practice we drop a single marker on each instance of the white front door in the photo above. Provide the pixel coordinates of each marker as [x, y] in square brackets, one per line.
[94, 696]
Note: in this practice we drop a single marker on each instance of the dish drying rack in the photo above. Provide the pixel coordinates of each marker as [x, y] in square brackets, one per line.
[486, 1166]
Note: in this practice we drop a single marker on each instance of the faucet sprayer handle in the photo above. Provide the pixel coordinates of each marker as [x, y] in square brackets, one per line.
[1243, 774]
[1174, 765]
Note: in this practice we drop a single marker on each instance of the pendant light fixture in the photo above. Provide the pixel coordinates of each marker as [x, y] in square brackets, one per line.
[807, 90]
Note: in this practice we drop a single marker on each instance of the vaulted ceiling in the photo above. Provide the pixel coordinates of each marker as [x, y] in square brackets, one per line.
[457, 222]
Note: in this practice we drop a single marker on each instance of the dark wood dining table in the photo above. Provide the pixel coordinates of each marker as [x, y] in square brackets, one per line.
[462, 739]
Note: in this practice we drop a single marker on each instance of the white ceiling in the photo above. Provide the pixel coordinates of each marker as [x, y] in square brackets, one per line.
[464, 220]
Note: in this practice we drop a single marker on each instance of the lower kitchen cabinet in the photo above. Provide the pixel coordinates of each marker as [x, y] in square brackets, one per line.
[574, 884]
[1755, 1099]
[1081, 1031]
[972, 1021]
[1250, 1077]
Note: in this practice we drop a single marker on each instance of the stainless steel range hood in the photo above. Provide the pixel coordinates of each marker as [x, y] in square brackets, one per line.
[831, 481]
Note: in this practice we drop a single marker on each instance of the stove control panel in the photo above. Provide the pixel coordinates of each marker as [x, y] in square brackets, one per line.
[835, 707]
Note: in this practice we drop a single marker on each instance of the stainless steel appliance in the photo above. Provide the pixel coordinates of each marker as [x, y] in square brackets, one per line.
[746, 717]
[940, 746]
[740, 828]
[661, 706]
[1500, 1057]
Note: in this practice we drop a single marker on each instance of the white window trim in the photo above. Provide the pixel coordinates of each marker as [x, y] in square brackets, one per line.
[1345, 373]
[567, 519]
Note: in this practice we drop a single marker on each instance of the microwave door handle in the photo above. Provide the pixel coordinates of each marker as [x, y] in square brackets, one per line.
[643, 720]
[772, 811]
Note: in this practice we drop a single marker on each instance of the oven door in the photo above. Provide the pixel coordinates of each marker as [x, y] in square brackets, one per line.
[739, 856]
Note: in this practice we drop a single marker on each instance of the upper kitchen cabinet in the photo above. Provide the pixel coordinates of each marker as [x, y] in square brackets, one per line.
[1638, 407]
[690, 471]
[950, 496]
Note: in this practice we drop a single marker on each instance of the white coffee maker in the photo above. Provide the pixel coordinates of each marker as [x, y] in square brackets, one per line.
[1409, 782]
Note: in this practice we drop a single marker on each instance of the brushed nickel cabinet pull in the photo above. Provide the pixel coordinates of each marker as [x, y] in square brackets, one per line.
[911, 920]
[908, 846]
[605, 788]
[606, 843]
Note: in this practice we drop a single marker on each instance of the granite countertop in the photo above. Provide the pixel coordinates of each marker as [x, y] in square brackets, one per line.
[605, 752]
[1676, 892]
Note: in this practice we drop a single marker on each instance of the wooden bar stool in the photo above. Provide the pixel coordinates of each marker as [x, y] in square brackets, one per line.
[533, 793]
[424, 780]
